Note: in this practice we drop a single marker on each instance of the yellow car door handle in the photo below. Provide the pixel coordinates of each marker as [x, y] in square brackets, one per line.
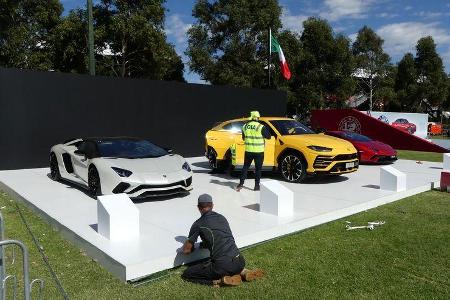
[213, 139]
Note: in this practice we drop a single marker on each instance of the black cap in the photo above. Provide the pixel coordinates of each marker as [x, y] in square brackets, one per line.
[205, 198]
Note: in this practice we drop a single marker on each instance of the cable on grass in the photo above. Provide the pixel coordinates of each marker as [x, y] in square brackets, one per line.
[44, 256]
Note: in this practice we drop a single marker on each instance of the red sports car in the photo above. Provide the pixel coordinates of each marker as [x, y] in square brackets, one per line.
[370, 151]
[404, 125]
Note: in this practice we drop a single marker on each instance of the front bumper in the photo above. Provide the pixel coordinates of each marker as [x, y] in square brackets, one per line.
[139, 191]
[383, 159]
[339, 164]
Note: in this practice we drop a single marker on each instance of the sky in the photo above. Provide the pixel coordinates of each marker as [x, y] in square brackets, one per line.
[400, 23]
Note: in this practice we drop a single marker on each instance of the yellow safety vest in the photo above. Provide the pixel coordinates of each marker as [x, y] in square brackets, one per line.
[233, 154]
[254, 140]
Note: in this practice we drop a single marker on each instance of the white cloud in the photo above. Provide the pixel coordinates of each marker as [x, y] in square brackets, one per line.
[177, 28]
[292, 22]
[408, 7]
[430, 14]
[402, 37]
[386, 15]
[338, 9]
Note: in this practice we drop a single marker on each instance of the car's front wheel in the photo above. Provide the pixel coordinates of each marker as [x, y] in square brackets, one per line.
[94, 182]
[54, 168]
[293, 167]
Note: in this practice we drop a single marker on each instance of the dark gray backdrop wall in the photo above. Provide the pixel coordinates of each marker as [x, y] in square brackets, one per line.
[40, 109]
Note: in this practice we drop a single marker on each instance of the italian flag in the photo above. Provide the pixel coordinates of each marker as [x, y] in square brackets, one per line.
[276, 48]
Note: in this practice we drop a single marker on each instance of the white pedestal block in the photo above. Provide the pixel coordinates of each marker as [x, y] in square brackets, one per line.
[118, 217]
[447, 161]
[392, 179]
[276, 199]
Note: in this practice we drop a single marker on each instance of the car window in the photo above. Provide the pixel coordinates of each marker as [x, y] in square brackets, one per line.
[272, 132]
[89, 148]
[348, 135]
[291, 127]
[235, 127]
[129, 148]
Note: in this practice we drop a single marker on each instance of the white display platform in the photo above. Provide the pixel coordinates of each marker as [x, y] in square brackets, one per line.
[117, 217]
[392, 179]
[276, 199]
[165, 224]
[446, 159]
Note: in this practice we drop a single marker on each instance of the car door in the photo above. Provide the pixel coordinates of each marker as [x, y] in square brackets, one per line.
[269, 147]
[80, 160]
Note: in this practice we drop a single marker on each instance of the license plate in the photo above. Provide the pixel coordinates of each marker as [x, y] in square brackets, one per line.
[349, 165]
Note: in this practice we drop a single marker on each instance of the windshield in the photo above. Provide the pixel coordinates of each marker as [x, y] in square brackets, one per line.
[354, 136]
[291, 127]
[129, 148]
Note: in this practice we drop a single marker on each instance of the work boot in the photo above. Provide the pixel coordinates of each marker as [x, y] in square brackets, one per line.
[257, 188]
[239, 187]
[250, 275]
[234, 280]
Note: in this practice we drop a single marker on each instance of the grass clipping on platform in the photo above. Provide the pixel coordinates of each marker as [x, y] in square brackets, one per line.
[407, 257]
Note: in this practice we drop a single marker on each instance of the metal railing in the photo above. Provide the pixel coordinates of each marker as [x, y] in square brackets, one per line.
[5, 278]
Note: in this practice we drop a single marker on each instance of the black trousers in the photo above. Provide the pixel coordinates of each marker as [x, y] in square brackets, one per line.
[207, 271]
[248, 158]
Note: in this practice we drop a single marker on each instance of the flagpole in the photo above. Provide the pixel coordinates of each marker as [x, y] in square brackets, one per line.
[270, 53]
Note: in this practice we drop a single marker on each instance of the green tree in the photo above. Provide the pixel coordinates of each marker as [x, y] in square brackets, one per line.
[25, 30]
[69, 41]
[324, 69]
[372, 63]
[406, 82]
[133, 34]
[431, 78]
[228, 43]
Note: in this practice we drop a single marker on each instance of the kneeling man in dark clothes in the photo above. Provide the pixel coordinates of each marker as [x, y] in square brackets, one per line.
[225, 265]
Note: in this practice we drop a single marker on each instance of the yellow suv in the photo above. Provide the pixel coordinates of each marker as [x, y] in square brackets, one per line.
[294, 149]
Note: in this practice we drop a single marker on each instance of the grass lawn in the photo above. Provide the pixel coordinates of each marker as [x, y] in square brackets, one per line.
[417, 155]
[408, 257]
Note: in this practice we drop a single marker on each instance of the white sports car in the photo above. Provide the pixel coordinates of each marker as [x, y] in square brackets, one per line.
[133, 166]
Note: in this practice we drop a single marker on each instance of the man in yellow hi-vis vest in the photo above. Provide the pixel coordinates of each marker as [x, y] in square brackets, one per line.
[253, 134]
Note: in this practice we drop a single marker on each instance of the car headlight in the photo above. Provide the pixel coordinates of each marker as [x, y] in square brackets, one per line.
[122, 172]
[186, 167]
[320, 148]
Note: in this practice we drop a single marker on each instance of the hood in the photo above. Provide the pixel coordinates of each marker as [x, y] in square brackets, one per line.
[382, 148]
[319, 140]
[164, 164]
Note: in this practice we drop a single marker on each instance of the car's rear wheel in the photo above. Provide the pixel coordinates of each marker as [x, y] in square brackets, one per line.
[293, 167]
[54, 168]
[94, 182]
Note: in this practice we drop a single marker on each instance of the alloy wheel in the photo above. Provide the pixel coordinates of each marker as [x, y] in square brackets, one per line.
[292, 168]
[54, 169]
[94, 182]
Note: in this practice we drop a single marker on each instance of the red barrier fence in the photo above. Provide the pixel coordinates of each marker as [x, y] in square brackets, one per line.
[354, 120]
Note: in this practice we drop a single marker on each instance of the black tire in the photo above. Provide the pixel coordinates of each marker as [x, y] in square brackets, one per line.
[292, 167]
[54, 168]
[215, 164]
[95, 188]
